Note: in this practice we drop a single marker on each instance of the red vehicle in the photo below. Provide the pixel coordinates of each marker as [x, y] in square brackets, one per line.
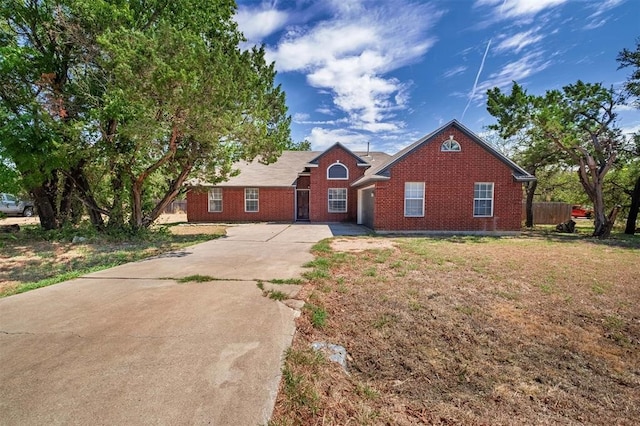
[579, 211]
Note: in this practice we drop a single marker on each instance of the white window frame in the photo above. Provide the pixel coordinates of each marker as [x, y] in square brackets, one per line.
[215, 195]
[410, 194]
[248, 193]
[450, 145]
[482, 186]
[346, 169]
[334, 199]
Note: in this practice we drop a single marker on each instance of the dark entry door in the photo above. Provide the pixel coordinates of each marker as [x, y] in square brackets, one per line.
[303, 205]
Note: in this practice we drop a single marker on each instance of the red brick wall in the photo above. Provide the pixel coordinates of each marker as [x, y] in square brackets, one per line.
[319, 187]
[303, 182]
[449, 181]
[275, 205]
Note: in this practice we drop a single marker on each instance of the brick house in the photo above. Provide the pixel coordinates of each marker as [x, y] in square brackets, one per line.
[448, 181]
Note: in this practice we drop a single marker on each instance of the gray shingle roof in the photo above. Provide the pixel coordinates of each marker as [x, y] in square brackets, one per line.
[285, 170]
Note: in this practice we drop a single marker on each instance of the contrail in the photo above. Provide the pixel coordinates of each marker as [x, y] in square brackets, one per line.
[486, 51]
[475, 83]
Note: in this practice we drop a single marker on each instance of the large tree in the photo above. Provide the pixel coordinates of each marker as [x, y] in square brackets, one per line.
[631, 58]
[578, 121]
[528, 146]
[120, 101]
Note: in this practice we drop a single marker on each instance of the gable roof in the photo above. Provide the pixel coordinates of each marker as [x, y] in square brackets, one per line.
[316, 160]
[286, 169]
[381, 172]
[283, 172]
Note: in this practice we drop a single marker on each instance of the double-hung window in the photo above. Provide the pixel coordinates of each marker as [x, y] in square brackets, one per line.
[483, 199]
[215, 200]
[251, 199]
[337, 200]
[414, 199]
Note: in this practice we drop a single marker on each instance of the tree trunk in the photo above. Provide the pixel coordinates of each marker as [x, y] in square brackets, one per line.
[84, 189]
[531, 190]
[171, 194]
[46, 211]
[136, 206]
[611, 220]
[116, 216]
[66, 200]
[633, 211]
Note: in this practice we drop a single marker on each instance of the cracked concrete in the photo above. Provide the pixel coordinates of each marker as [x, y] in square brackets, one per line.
[125, 346]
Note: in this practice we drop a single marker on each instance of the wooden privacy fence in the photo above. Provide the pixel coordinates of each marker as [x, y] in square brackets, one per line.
[548, 213]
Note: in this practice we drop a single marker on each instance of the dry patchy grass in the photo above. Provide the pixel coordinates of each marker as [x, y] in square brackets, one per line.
[33, 258]
[529, 330]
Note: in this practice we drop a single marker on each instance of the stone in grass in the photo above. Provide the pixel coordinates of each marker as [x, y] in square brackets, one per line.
[78, 239]
[335, 353]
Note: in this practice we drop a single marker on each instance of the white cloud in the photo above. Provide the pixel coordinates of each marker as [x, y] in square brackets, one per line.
[325, 110]
[260, 22]
[349, 55]
[519, 41]
[625, 107]
[455, 71]
[518, 70]
[300, 117]
[322, 139]
[604, 6]
[596, 19]
[631, 129]
[518, 8]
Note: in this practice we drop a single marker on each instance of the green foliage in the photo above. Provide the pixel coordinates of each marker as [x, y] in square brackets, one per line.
[575, 124]
[120, 102]
[304, 145]
[631, 58]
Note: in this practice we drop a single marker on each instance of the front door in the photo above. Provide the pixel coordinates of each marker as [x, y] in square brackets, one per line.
[302, 203]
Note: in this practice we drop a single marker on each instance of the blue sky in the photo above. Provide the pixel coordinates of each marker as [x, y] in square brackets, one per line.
[388, 72]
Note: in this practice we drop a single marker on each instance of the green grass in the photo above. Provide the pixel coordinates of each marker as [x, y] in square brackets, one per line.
[46, 260]
[323, 246]
[317, 274]
[318, 315]
[196, 279]
[301, 369]
[22, 288]
[278, 295]
[291, 281]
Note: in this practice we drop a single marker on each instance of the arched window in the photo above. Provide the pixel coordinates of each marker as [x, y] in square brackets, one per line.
[450, 145]
[337, 171]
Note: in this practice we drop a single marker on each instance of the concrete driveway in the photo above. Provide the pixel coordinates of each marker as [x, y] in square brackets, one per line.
[130, 345]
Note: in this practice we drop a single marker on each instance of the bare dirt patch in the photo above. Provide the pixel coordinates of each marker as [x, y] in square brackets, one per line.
[498, 331]
[361, 244]
[188, 229]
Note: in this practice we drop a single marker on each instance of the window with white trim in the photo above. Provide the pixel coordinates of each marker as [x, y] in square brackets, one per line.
[483, 199]
[251, 198]
[414, 199]
[337, 171]
[450, 145]
[337, 200]
[215, 200]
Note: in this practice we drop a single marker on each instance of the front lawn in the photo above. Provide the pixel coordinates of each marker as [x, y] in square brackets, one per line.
[538, 329]
[32, 258]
